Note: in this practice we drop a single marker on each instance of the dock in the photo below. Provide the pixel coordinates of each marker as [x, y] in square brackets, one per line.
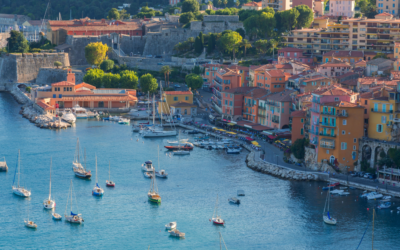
[3, 166]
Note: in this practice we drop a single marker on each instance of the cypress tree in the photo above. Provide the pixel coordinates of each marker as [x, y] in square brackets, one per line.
[197, 45]
[211, 44]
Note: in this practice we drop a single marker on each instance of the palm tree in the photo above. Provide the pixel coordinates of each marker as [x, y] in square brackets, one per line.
[225, 2]
[166, 70]
[237, 3]
[245, 44]
[273, 43]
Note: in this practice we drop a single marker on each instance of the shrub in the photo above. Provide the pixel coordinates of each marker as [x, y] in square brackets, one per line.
[58, 64]
[107, 65]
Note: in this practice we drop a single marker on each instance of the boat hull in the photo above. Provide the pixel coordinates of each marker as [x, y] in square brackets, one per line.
[32, 226]
[328, 221]
[178, 148]
[83, 175]
[72, 219]
[49, 204]
[110, 184]
[22, 193]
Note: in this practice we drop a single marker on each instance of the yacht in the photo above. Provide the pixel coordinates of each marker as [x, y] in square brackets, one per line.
[123, 121]
[148, 166]
[374, 195]
[79, 112]
[233, 150]
[68, 116]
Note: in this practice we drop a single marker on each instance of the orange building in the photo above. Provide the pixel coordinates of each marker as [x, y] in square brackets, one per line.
[338, 142]
[273, 80]
[67, 94]
[224, 79]
[250, 104]
[298, 121]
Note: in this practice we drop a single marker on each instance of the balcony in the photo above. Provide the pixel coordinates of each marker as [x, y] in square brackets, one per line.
[275, 120]
[327, 113]
[261, 115]
[330, 146]
[273, 104]
[341, 114]
[327, 124]
[326, 134]
[381, 111]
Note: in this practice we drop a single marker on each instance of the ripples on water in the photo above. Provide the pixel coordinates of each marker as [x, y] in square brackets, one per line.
[274, 214]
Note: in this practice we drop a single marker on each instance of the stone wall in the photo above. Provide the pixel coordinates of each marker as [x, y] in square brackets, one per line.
[3, 39]
[47, 76]
[25, 67]
[220, 18]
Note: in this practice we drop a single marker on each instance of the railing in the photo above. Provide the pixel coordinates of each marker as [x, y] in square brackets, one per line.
[381, 111]
[327, 124]
[275, 120]
[327, 113]
[327, 146]
[341, 114]
[325, 134]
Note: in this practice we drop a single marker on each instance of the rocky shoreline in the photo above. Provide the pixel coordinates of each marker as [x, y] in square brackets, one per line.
[275, 170]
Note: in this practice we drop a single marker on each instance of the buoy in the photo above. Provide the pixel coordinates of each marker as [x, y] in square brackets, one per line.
[367, 209]
[391, 211]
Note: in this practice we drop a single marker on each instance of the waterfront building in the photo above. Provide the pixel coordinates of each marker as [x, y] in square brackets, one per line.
[244, 73]
[342, 8]
[384, 117]
[180, 102]
[32, 29]
[341, 126]
[233, 101]
[319, 98]
[67, 94]
[209, 73]
[274, 109]
[295, 54]
[350, 56]
[297, 121]
[252, 6]
[251, 104]
[365, 84]
[224, 79]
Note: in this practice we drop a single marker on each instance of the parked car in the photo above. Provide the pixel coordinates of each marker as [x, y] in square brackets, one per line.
[367, 175]
[354, 174]
[361, 174]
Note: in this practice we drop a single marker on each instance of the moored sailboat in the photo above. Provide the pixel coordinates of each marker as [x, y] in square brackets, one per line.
[162, 173]
[153, 194]
[18, 190]
[76, 165]
[49, 203]
[216, 219]
[97, 190]
[109, 182]
[29, 223]
[327, 217]
[71, 216]
[82, 172]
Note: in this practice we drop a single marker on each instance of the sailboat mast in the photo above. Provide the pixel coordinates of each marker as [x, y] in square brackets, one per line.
[148, 105]
[109, 169]
[161, 104]
[220, 243]
[77, 148]
[19, 165]
[96, 168]
[51, 162]
[71, 195]
[85, 158]
[373, 223]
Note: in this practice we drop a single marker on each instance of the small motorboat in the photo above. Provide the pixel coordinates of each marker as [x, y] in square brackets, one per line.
[83, 174]
[56, 216]
[344, 193]
[233, 150]
[234, 200]
[374, 195]
[364, 194]
[176, 233]
[181, 152]
[384, 204]
[331, 186]
[110, 183]
[161, 174]
[148, 166]
[221, 147]
[184, 147]
[171, 225]
[337, 191]
[240, 192]
[30, 224]
[387, 197]
[148, 175]
[124, 121]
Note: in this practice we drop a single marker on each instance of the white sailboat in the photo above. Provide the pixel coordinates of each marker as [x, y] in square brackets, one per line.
[216, 219]
[109, 182]
[327, 217]
[152, 131]
[97, 190]
[18, 190]
[49, 203]
[71, 216]
[76, 165]
[162, 173]
[29, 223]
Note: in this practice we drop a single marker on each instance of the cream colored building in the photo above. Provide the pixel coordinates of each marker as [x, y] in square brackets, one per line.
[389, 7]
[278, 5]
[342, 8]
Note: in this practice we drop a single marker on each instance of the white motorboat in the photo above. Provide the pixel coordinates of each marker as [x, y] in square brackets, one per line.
[225, 141]
[79, 112]
[72, 217]
[183, 141]
[124, 121]
[3, 165]
[30, 224]
[374, 195]
[148, 166]
[387, 197]
[364, 194]
[49, 203]
[384, 204]
[327, 217]
[181, 152]
[233, 150]
[176, 233]
[76, 165]
[216, 218]
[161, 174]
[17, 189]
[148, 175]
[337, 191]
[344, 193]
[234, 200]
[56, 216]
[221, 147]
[68, 116]
[171, 225]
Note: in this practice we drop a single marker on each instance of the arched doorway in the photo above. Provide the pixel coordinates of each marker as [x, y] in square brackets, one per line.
[379, 154]
[285, 126]
[332, 159]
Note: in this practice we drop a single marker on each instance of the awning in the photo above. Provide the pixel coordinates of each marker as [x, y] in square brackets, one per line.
[231, 124]
[249, 139]
[271, 137]
[254, 143]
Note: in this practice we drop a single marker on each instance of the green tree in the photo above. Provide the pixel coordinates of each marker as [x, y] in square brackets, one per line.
[241, 32]
[225, 2]
[266, 23]
[110, 80]
[261, 46]
[95, 53]
[123, 14]
[57, 64]
[113, 14]
[298, 148]
[380, 55]
[186, 18]
[306, 16]
[251, 26]
[148, 83]
[289, 19]
[190, 6]
[194, 81]
[93, 77]
[107, 65]
[191, 41]
[230, 41]
[166, 70]
[245, 44]
[201, 36]
[198, 46]
[211, 44]
[197, 70]
[129, 79]
[272, 44]
[237, 3]
[17, 43]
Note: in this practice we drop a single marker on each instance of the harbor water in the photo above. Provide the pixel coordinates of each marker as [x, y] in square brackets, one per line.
[273, 214]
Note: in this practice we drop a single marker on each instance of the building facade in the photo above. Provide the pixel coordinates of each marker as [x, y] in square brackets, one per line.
[171, 98]
[342, 8]
[298, 120]
[224, 79]
[275, 108]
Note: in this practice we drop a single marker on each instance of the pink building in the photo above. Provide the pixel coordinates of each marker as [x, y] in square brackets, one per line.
[174, 2]
[318, 118]
[309, 3]
[334, 68]
[295, 54]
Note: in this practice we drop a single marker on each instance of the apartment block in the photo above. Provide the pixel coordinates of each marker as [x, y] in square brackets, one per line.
[342, 7]
[251, 104]
[233, 101]
[273, 80]
[298, 120]
[387, 7]
[278, 5]
[224, 79]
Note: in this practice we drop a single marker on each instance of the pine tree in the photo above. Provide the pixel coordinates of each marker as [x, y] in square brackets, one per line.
[211, 44]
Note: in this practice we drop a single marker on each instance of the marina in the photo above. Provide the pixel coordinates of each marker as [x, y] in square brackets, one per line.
[277, 202]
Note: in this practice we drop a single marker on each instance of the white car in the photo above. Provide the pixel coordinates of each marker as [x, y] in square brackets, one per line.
[367, 176]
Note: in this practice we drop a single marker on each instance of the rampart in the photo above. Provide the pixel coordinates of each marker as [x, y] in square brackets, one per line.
[48, 76]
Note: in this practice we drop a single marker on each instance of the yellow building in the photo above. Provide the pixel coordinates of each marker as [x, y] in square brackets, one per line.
[396, 54]
[177, 102]
[385, 115]
[341, 126]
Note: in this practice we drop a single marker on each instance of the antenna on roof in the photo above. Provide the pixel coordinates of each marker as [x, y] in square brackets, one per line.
[44, 17]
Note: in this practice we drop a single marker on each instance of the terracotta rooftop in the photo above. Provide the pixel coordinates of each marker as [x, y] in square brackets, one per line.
[84, 85]
[329, 64]
[351, 82]
[133, 26]
[344, 53]
[256, 93]
[275, 73]
[63, 83]
[346, 75]
[45, 106]
[298, 113]
[315, 78]
[283, 66]
[253, 4]
[178, 92]
[384, 14]
[284, 96]
[98, 98]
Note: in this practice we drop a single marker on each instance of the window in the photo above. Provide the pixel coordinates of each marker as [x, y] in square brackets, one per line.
[383, 119]
[327, 152]
[175, 98]
[230, 103]
[283, 110]
[207, 73]
[354, 147]
[302, 120]
[344, 122]
[365, 111]
[390, 117]
[336, 99]
[383, 107]
[376, 107]
[64, 89]
[343, 146]
[343, 132]
[226, 102]
[301, 131]
[355, 140]
[354, 155]
[379, 128]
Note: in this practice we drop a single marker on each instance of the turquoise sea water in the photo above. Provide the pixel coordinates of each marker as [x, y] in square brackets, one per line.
[274, 214]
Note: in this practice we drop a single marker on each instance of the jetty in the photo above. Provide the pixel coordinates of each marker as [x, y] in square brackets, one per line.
[3, 165]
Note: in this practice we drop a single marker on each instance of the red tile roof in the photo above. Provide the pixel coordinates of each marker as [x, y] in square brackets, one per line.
[178, 92]
[45, 106]
[298, 113]
[275, 73]
[284, 66]
[85, 85]
[335, 65]
[253, 4]
[63, 83]
[352, 82]
[315, 78]
[384, 14]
